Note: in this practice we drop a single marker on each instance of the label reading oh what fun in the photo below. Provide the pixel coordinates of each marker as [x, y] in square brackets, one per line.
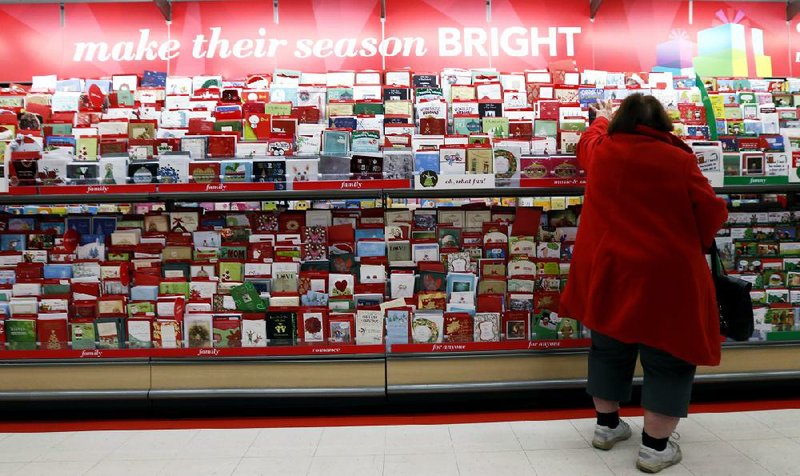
[430, 180]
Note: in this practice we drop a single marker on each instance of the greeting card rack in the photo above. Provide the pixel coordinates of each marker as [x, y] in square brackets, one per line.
[330, 370]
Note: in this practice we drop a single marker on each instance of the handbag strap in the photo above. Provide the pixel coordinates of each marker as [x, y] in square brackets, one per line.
[715, 260]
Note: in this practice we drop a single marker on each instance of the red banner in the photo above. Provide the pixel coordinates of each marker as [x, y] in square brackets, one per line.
[105, 39]
[659, 35]
[234, 39]
[516, 35]
[310, 35]
[30, 41]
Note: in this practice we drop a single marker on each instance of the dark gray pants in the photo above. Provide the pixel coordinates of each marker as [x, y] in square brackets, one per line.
[667, 385]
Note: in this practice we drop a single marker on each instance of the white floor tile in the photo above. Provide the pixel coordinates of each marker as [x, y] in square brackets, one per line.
[366, 440]
[200, 466]
[772, 454]
[484, 437]
[712, 444]
[429, 464]
[418, 439]
[546, 435]
[506, 462]
[785, 422]
[127, 467]
[582, 462]
[285, 442]
[7, 469]
[53, 468]
[273, 466]
[219, 444]
[345, 465]
[692, 431]
[719, 459]
[27, 447]
[735, 426]
[86, 454]
[164, 444]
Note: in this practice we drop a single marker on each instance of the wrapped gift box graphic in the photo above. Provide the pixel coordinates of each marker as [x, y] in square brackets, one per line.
[722, 49]
[677, 53]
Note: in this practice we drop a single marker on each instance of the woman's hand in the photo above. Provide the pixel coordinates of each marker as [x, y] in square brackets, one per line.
[603, 109]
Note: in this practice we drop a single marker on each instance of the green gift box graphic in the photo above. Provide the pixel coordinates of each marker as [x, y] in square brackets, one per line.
[722, 49]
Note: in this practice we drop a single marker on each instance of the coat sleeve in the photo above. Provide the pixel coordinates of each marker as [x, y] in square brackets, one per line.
[590, 139]
[710, 211]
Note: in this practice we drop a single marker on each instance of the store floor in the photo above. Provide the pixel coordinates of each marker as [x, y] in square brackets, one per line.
[743, 443]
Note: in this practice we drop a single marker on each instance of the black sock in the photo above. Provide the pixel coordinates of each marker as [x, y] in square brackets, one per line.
[610, 420]
[658, 444]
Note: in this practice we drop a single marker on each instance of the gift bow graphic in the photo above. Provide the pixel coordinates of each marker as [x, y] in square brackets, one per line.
[730, 16]
[678, 34]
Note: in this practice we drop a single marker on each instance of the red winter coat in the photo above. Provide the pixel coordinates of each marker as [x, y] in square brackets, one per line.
[638, 272]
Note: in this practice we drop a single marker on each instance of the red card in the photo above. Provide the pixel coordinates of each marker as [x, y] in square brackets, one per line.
[52, 334]
[490, 303]
[526, 222]
[457, 327]
[221, 146]
[515, 325]
[341, 233]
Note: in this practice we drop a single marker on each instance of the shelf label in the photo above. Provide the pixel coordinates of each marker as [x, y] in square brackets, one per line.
[490, 346]
[756, 180]
[216, 187]
[430, 180]
[377, 184]
[551, 182]
[300, 350]
[101, 354]
[97, 189]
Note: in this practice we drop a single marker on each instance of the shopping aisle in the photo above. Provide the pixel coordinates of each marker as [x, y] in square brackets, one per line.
[746, 443]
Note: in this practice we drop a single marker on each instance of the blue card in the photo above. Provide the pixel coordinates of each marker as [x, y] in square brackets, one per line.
[154, 79]
[588, 96]
[57, 271]
[396, 327]
[335, 142]
[12, 242]
[8, 276]
[370, 233]
[104, 225]
[344, 122]
[91, 238]
[426, 160]
[461, 283]
[279, 93]
[83, 225]
[314, 299]
[144, 293]
[370, 248]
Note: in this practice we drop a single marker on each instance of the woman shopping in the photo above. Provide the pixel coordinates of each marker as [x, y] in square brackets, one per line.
[639, 279]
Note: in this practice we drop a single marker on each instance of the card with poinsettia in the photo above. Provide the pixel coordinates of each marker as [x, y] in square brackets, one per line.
[227, 331]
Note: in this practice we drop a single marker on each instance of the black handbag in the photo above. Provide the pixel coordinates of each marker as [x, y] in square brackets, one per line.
[733, 297]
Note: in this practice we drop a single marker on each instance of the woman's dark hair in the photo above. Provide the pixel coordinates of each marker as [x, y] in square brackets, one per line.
[638, 109]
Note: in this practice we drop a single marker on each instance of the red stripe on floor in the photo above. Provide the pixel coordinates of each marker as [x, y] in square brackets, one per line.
[364, 420]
